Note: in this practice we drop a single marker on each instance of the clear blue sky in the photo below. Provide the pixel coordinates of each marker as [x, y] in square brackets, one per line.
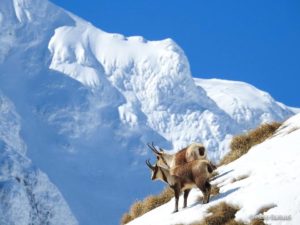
[256, 41]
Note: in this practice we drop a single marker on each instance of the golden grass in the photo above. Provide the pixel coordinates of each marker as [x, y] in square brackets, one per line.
[234, 222]
[241, 144]
[221, 214]
[257, 222]
[242, 177]
[215, 190]
[141, 207]
[126, 218]
[266, 208]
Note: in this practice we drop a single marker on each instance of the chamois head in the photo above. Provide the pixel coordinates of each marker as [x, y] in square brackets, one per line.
[156, 172]
[161, 156]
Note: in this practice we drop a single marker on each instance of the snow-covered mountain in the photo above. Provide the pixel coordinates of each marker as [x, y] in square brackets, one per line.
[27, 196]
[83, 103]
[244, 103]
[271, 180]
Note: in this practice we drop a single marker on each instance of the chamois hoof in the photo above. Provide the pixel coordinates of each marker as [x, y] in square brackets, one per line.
[175, 211]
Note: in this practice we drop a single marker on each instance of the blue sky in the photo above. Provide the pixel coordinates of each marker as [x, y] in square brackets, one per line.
[256, 41]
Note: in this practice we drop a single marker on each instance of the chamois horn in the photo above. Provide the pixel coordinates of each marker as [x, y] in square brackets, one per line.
[149, 164]
[152, 147]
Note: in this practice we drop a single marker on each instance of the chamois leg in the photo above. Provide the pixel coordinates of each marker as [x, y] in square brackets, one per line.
[201, 185]
[185, 196]
[207, 190]
[176, 190]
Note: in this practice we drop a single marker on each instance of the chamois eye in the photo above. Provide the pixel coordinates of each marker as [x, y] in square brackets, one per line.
[157, 157]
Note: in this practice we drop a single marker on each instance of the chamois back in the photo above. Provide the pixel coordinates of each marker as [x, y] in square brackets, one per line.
[193, 169]
[192, 152]
[180, 157]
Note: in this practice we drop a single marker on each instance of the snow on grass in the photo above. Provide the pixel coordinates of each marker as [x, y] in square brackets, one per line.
[271, 181]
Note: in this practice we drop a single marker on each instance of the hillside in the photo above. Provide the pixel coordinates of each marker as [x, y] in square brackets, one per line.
[264, 179]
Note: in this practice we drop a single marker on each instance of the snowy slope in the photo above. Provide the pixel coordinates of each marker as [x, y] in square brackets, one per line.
[273, 179]
[88, 101]
[246, 104]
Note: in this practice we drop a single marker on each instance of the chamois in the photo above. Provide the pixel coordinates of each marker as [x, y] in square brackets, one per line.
[183, 178]
[192, 152]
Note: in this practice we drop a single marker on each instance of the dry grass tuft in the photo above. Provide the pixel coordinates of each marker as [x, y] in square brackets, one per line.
[241, 144]
[257, 222]
[224, 214]
[221, 214]
[126, 218]
[234, 222]
[215, 190]
[141, 207]
[266, 208]
[242, 177]
[136, 209]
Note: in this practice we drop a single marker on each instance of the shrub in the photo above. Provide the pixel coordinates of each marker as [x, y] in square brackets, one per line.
[215, 190]
[257, 222]
[241, 144]
[141, 207]
[136, 209]
[221, 214]
[234, 222]
[242, 177]
[126, 218]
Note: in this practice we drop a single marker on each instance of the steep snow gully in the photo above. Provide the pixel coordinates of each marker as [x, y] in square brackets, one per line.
[78, 104]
